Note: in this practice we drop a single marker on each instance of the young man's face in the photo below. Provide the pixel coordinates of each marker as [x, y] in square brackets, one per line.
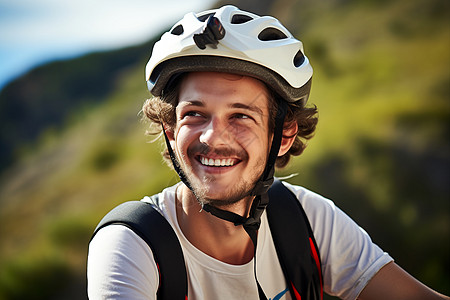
[221, 137]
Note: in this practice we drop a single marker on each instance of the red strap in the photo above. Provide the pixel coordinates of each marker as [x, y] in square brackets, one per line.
[297, 294]
[316, 259]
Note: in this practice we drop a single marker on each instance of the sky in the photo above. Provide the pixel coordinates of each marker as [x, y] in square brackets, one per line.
[33, 32]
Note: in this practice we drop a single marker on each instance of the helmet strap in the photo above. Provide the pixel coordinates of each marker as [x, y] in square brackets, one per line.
[176, 164]
[266, 180]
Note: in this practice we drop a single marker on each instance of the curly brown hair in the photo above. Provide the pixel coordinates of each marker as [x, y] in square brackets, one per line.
[162, 110]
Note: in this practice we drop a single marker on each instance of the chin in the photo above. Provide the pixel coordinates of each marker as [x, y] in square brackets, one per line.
[221, 194]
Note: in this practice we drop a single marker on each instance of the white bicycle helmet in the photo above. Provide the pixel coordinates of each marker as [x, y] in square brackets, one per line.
[231, 40]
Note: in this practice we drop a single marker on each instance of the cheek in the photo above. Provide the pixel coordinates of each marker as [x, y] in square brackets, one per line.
[246, 138]
[183, 137]
[249, 137]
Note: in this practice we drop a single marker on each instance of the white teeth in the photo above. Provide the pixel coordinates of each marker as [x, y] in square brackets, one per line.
[217, 162]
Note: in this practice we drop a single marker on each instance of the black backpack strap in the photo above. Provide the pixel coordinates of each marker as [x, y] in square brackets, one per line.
[155, 230]
[295, 244]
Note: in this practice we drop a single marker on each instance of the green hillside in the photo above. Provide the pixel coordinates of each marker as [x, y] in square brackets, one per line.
[382, 85]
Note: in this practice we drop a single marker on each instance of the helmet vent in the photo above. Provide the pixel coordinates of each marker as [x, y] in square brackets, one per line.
[271, 34]
[203, 18]
[178, 30]
[299, 59]
[240, 19]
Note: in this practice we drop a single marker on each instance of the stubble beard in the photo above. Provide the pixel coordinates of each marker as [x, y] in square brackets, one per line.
[240, 189]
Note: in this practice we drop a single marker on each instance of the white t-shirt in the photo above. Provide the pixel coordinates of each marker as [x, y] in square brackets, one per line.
[121, 264]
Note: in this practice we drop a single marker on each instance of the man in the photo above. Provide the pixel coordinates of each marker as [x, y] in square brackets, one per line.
[230, 93]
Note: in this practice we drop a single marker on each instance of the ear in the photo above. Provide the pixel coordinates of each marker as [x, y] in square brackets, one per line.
[289, 134]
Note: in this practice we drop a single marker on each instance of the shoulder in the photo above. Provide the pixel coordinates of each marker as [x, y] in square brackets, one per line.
[349, 257]
[322, 212]
[315, 205]
[116, 255]
[120, 263]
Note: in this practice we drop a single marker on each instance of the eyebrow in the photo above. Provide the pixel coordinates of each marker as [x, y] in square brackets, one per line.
[238, 105]
[189, 103]
[192, 102]
[247, 107]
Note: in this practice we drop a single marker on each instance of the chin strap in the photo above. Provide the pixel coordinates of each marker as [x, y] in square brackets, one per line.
[250, 224]
[175, 163]
[266, 180]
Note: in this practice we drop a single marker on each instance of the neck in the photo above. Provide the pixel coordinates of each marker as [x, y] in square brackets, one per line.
[216, 237]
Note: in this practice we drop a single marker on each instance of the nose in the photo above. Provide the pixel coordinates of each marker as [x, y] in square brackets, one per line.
[216, 133]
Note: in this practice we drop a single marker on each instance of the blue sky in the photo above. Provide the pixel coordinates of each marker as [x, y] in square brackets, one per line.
[36, 31]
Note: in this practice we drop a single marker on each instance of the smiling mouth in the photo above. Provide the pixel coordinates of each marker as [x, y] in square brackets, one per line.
[224, 162]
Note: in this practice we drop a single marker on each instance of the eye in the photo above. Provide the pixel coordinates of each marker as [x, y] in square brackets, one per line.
[191, 114]
[241, 116]
[192, 117]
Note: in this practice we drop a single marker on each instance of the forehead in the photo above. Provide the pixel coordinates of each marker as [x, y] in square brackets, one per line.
[216, 87]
